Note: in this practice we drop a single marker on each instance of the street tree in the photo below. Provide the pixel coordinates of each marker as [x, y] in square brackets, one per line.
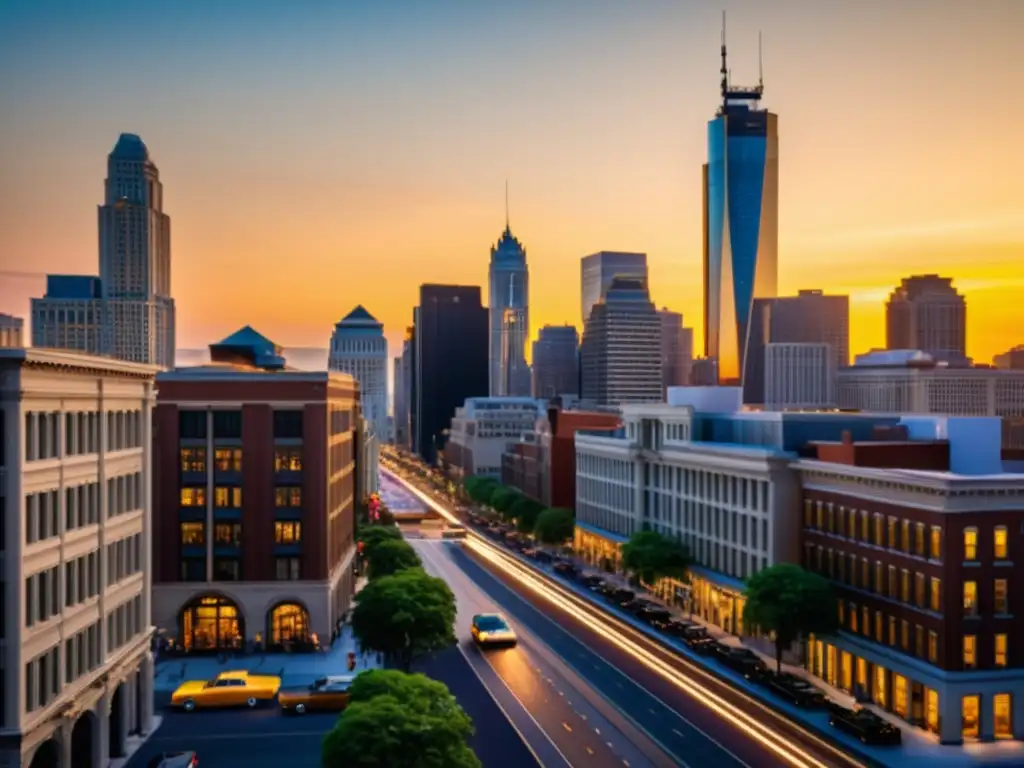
[397, 719]
[502, 500]
[788, 602]
[390, 557]
[555, 526]
[404, 616]
[525, 512]
[652, 556]
[480, 489]
[373, 535]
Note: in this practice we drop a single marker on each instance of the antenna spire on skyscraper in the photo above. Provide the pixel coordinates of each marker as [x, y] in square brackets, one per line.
[760, 63]
[725, 65]
[507, 227]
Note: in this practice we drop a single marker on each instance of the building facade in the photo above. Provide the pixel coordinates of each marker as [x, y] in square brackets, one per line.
[450, 360]
[358, 348]
[509, 311]
[484, 428]
[676, 351]
[620, 355]
[12, 330]
[258, 472]
[70, 315]
[598, 270]
[925, 312]
[403, 392]
[556, 363]
[741, 221]
[1011, 360]
[75, 490]
[924, 562]
[799, 377]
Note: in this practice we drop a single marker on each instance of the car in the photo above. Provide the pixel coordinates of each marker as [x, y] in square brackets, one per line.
[327, 694]
[795, 690]
[654, 614]
[453, 532]
[565, 568]
[228, 689]
[741, 660]
[591, 581]
[174, 760]
[866, 726]
[491, 630]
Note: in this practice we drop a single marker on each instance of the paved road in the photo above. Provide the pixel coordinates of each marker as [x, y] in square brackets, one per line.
[565, 722]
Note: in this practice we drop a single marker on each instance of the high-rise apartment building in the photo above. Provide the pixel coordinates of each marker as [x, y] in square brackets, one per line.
[509, 288]
[128, 313]
[258, 468]
[450, 360]
[599, 269]
[556, 361]
[676, 350]
[12, 331]
[741, 221]
[75, 480]
[799, 377]
[358, 347]
[620, 355]
[927, 313]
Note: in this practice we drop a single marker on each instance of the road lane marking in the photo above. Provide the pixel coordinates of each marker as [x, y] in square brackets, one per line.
[589, 750]
[567, 727]
[677, 733]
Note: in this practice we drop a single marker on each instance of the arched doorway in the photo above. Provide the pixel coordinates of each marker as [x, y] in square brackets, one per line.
[115, 738]
[82, 741]
[288, 625]
[47, 755]
[212, 623]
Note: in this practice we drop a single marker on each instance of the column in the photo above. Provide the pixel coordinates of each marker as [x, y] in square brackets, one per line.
[64, 734]
[950, 717]
[121, 719]
[145, 692]
[988, 717]
[101, 731]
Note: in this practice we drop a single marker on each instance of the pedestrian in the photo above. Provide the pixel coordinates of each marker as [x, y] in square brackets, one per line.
[351, 661]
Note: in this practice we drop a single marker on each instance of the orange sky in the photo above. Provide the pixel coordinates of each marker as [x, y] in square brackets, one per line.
[346, 174]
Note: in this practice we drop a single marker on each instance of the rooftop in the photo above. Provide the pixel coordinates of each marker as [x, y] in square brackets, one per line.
[70, 361]
[130, 147]
[359, 316]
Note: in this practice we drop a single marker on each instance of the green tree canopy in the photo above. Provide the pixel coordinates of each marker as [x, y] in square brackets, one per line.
[503, 498]
[524, 511]
[480, 489]
[374, 535]
[653, 556]
[790, 602]
[395, 719]
[404, 616]
[392, 556]
[555, 526]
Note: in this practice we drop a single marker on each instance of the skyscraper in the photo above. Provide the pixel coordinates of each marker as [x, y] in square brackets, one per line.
[676, 350]
[358, 347]
[599, 269]
[926, 312]
[509, 279]
[556, 362]
[450, 360]
[741, 210]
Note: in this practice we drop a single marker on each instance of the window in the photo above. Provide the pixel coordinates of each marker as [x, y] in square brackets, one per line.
[1000, 601]
[227, 569]
[970, 598]
[865, 573]
[1000, 650]
[227, 534]
[879, 577]
[879, 627]
[290, 460]
[287, 568]
[192, 425]
[970, 652]
[892, 630]
[893, 530]
[842, 612]
[193, 459]
[193, 534]
[287, 532]
[288, 496]
[919, 591]
[935, 545]
[999, 542]
[1002, 714]
[852, 518]
[227, 496]
[919, 641]
[935, 596]
[853, 617]
[865, 527]
[905, 535]
[933, 647]
[894, 583]
[865, 620]
[919, 549]
[904, 585]
[970, 543]
[227, 425]
[819, 517]
[905, 635]
[228, 459]
[288, 425]
[193, 497]
[879, 530]
[193, 569]
[808, 504]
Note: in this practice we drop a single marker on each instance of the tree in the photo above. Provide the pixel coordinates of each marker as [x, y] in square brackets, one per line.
[503, 498]
[555, 526]
[390, 557]
[402, 720]
[653, 556]
[404, 616]
[480, 489]
[525, 511]
[789, 602]
[374, 535]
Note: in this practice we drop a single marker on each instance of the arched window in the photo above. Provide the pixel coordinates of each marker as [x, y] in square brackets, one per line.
[289, 622]
[212, 623]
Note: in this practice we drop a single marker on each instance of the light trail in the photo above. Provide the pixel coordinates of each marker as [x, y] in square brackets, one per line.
[603, 624]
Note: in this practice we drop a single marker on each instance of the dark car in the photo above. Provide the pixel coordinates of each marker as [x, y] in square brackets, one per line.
[674, 627]
[544, 557]
[741, 660]
[620, 595]
[795, 690]
[654, 615]
[174, 760]
[865, 725]
[592, 582]
[565, 568]
[529, 552]
[635, 604]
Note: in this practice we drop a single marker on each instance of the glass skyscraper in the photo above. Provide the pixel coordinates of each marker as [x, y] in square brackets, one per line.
[741, 215]
[509, 317]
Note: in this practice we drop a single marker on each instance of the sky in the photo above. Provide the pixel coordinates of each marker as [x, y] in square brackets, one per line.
[320, 154]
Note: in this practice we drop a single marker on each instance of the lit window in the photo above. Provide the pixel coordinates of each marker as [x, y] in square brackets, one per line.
[935, 548]
[228, 459]
[193, 534]
[879, 627]
[970, 543]
[290, 460]
[905, 635]
[905, 535]
[919, 599]
[970, 598]
[1000, 601]
[935, 598]
[852, 518]
[842, 612]
[893, 530]
[193, 459]
[853, 617]
[1000, 542]
[287, 532]
[193, 497]
[970, 652]
[288, 496]
[865, 527]
[879, 531]
[1002, 712]
[892, 630]
[933, 647]
[904, 585]
[226, 496]
[1000, 654]
[228, 534]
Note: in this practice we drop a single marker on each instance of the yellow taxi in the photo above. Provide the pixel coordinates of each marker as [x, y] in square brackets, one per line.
[228, 689]
[491, 630]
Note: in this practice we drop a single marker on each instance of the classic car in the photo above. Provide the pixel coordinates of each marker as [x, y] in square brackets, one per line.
[228, 689]
[328, 694]
[174, 760]
[492, 629]
[865, 725]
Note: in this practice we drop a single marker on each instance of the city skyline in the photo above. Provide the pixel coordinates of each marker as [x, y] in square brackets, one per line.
[864, 200]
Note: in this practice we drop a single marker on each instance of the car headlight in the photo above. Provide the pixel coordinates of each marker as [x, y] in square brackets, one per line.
[483, 635]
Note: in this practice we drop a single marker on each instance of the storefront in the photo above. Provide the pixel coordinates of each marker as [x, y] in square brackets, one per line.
[598, 548]
[717, 599]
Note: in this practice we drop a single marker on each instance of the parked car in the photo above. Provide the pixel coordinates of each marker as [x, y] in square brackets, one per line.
[741, 660]
[530, 552]
[174, 760]
[619, 595]
[635, 604]
[866, 726]
[565, 568]
[328, 694]
[673, 627]
[228, 689]
[544, 557]
[592, 582]
[654, 615]
[795, 690]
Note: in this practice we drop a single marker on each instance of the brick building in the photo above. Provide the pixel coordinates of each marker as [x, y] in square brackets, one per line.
[256, 482]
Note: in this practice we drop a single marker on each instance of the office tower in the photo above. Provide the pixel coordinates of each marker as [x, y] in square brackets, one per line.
[403, 392]
[799, 377]
[556, 362]
[810, 317]
[620, 356]
[254, 498]
[676, 350]
[127, 312]
[1011, 359]
[509, 280]
[451, 360]
[741, 211]
[11, 331]
[398, 407]
[926, 312]
[75, 478]
[599, 269]
[358, 347]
